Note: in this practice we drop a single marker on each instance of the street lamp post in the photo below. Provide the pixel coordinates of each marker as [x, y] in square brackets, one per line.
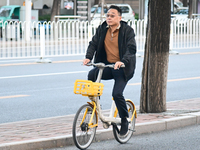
[102, 9]
[28, 18]
[8, 2]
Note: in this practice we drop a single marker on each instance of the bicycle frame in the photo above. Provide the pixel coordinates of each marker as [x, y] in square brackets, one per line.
[86, 119]
[112, 115]
[97, 109]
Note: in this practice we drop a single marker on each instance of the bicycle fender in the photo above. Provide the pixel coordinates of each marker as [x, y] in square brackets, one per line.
[133, 106]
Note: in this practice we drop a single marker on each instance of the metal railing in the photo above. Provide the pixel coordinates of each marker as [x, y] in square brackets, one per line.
[185, 33]
[60, 39]
[64, 38]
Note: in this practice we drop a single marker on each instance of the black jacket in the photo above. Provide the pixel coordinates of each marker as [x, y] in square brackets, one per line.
[126, 43]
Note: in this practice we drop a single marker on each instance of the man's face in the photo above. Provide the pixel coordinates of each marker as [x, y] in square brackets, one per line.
[112, 17]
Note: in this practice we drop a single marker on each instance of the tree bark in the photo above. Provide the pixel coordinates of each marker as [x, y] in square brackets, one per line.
[190, 10]
[185, 3]
[155, 65]
[55, 9]
[96, 2]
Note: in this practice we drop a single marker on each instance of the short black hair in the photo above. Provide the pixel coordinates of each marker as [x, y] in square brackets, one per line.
[117, 8]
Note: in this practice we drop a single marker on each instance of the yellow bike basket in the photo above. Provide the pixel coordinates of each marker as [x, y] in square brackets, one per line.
[88, 88]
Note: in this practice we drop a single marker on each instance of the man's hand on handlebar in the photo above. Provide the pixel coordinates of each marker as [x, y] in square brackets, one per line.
[118, 64]
[86, 61]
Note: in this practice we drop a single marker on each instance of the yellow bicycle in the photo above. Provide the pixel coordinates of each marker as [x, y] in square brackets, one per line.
[86, 119]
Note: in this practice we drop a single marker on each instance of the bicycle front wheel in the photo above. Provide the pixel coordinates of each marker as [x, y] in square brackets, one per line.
[125, 138]
[83, 135]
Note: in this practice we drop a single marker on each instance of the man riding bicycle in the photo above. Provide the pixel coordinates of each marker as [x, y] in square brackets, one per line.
[114, 43]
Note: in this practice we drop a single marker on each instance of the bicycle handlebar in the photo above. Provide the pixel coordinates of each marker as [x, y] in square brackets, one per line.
[102, 65]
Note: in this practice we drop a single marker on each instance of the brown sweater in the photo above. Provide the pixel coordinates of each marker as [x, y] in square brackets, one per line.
[111, 46]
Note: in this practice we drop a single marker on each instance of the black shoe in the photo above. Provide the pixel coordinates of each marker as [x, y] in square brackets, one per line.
[124, 126]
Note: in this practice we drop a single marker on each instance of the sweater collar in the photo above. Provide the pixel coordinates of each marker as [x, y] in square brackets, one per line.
[116, 28]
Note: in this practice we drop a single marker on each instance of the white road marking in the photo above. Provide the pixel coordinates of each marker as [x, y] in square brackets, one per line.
[172, 80]
[38, 75]
[13, 96]
[18, 60]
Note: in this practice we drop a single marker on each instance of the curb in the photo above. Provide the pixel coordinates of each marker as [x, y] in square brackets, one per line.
[179, 121]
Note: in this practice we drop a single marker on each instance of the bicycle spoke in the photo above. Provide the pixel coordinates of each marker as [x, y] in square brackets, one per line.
[82, 134]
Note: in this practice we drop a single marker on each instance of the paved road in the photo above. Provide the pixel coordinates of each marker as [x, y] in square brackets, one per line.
[178, 139]
[29, 90]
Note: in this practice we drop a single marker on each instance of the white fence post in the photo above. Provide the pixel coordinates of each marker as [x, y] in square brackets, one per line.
[64, 38]
[42, 42]
[42, 46]
[171, 43]
[89, 32]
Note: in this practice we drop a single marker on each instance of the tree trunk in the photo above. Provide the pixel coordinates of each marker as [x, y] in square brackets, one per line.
[58, 7]
[185, 3]
[190, 10]
[96, 2]
[155, 65]
[55, 9]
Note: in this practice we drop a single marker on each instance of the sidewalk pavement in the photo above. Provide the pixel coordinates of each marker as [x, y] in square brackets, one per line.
[52, 132]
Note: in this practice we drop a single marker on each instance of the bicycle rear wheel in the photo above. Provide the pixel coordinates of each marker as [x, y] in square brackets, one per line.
[83, 135]
[125, 138]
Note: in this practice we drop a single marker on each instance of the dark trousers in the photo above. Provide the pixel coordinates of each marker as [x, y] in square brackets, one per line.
[118, 88]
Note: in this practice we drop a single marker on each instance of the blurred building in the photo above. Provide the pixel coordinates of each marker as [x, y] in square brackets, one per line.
[138, 6]
[39, 4]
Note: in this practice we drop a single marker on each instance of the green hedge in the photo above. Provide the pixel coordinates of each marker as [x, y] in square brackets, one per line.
[136, 16]
[45, 17]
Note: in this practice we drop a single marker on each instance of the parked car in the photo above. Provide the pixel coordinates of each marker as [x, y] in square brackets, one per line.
[182, 11]
[127, 12]
[177, 5]
[181, 16]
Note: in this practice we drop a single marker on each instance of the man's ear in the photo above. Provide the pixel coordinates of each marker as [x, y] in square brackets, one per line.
[120, 18]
